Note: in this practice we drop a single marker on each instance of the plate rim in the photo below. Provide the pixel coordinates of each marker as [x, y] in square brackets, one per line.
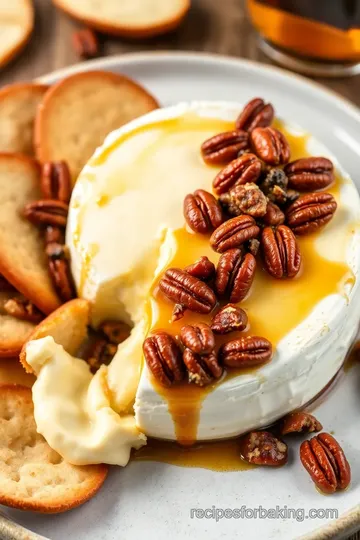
[350, 521]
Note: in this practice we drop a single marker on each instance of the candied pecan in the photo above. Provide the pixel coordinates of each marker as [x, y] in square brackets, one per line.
[100, 353]
[310, 212]
[202, 269]
[246, 351]
[224, 147]
[325, 461]
[246, 168]
[85, 43]
[273, 216]
[115, 331]
[54, 235]
[5, 286]
[234, 275]
[252, 246]
[299, 422]
[202, 369]
[202, 211]
[178, 312]
[230, 318]
[187, 290]
[199, 338]
[310, 174]
[262, 448]
[244, 199]
[55, 182]
[47, 212]
[62, 279]
[163, 357]
[280, 251]
[270, 145]
[23, 309]
[255, 114]
[233, 233]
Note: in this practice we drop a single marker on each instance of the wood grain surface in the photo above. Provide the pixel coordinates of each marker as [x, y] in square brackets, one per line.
[218, 26]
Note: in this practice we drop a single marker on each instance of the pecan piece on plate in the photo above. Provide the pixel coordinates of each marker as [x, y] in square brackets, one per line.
[234, 275]
[270, 145]
[244, 199]
[62, 279]
[187, 290]
[229, 318]
[224, 147]
[47, 212]
[299, 422]
[310, 212]
[202, 211]
[233, 233]
[274, 215]
[246, 168]
[55, 182]
[255, 114]
[115, 331]
[85, 43]
[310, 174]
[23, 309]
[202, 369]
[198, 338]
[325, 461]
[246, 351]
[202, 269]
[262, 448]
[164, 359]
[280, 252]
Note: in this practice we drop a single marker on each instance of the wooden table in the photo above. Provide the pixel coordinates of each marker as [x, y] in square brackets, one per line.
[212, 26]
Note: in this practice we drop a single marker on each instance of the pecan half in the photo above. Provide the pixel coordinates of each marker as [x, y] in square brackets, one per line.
[59, 269]
[234, 275]
[246, 168]
[202, 269]
[255, 114]
[280, 251]
[202, 211]
[187, 290]
[310, 212]
[198, 338]
[85, 43]
[224, 147]
[325, 461]
[262, 448]
[233, 233]
[163, 357]
[55, 182]
[246, 351]
[54, 235]
[310, 174]
[244, 199]
[299, 422]
[115, 331]
[47, 212]
[273, 216]
[270, 145]
[23, 309]
[202, 369]
[230, 318]
[100, 353]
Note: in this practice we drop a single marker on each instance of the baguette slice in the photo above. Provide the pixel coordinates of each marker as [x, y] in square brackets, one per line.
[78, 112]
[18, 104]
[22, 256]
[32, 475]
[16, 25]
[13, 332]
[129, 18]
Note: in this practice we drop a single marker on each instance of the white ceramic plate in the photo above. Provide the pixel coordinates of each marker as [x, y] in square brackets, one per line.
[154, 499]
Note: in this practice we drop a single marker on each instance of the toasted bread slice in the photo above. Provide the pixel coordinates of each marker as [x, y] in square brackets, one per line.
[18, 104]
[16, 25]
[22, 256]
[78, 112]
[67, 325]
[129, 18]
[32, 475]
[13, 332]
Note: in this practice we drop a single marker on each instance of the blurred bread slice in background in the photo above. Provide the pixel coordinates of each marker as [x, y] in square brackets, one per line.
[128, 18]
[16, 25]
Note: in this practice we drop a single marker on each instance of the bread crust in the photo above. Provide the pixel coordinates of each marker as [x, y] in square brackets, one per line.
[12, 53]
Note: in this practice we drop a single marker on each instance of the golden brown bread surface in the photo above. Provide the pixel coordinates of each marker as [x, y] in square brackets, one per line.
[13, 332]
[16, 25]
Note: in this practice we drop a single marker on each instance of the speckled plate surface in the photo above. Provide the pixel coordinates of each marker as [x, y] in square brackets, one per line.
[159, 500]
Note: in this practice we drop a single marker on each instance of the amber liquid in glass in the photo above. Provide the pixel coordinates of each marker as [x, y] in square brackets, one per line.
[326, 30]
